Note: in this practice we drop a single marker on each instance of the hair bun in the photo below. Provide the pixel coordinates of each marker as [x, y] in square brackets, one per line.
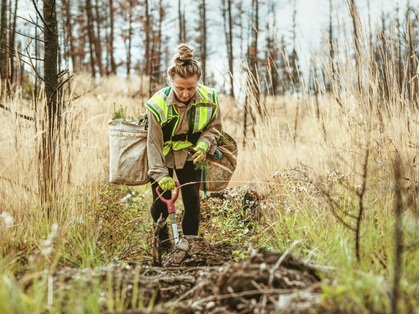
[184, 52]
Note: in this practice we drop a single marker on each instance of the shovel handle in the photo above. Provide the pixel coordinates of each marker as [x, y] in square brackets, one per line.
[169, 202]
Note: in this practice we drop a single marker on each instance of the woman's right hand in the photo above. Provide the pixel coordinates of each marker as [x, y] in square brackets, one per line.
[167, 183]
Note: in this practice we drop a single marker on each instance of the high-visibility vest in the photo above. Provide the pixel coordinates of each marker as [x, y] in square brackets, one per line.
[201, 112]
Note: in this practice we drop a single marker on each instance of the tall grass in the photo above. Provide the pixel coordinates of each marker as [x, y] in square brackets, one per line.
[328, 146]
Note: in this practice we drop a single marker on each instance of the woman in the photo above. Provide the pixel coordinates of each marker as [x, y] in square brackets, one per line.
[184, 124]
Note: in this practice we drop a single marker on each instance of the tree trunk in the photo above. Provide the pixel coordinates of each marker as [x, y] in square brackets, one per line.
[204, 41]
[230, 48]
[69, 31]
[147, 39]
[332, 51]
[185, 39]
[113, 65]
[254, 62]
[90, 35]
[98, 44]
[129, 39]
[159, 40]
[12, 43]
[180, 22]
[224, 17]
[3, 43]
[354, 14]
[51, 84]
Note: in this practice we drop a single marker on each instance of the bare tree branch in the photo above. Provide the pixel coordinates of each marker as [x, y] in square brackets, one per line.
[40, 15]
[361, 205]
[78, 96]
[33, 67]
[37, 25]
[16, 183]
[59, 86]
[63, 72]
[16, 113]
[12, 30]
[21, 54]
[31, 22]
[8, 52]
[331, 201]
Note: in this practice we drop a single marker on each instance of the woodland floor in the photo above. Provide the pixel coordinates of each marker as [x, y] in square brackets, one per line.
[206, 278]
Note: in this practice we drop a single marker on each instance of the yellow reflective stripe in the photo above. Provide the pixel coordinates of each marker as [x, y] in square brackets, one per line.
[204, 93]
[159, 103]
[197, 118]
[158, 109]
[202, 117]
[209, 111]
[204, 113]
[177, 121]
[163, 95]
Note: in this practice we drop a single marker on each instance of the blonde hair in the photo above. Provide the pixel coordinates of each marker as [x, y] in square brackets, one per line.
[183, 63]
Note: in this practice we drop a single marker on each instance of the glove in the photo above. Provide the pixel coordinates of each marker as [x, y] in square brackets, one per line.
[167, 183]
[201, 153]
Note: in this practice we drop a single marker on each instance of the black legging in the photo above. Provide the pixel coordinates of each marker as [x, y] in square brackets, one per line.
[190, 197]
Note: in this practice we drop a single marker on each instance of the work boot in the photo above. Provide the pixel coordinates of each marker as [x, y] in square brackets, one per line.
[165, 244]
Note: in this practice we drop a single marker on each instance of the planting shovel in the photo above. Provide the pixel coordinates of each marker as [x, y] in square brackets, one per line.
[171, 209]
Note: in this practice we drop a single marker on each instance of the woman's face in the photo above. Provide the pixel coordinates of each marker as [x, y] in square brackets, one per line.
[184, 87]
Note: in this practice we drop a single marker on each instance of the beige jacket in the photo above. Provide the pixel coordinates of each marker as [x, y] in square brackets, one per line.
[157, 162]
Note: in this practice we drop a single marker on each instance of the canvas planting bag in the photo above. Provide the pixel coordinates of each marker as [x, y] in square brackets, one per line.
[128, 152]
[220, 170]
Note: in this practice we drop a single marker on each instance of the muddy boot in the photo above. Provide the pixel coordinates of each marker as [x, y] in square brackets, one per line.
[165, 245]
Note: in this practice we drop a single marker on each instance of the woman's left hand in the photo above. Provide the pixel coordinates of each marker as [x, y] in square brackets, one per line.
[201, 153]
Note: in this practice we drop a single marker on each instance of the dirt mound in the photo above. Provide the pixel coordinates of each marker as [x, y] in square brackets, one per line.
[202, 253]
[253, 285]
[265, 282]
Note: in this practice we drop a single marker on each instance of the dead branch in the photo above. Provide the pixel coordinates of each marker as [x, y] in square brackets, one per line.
[33, 67]
[331, 201]
[40, 15]
[361, 205]
[63, 72]
[278, 263]
[16, 113]
[15, 31]
[9, 53]
[61, 85]
[245, 293]
[19, 53]
[37, 25]
[31, 22]
[13, 182]
[78, 96]
[398, 231]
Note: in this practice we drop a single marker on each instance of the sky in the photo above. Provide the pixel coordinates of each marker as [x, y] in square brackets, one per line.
[312, 16]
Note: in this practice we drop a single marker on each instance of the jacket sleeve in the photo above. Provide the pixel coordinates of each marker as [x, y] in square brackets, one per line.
[212, 132]
[155, 156]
